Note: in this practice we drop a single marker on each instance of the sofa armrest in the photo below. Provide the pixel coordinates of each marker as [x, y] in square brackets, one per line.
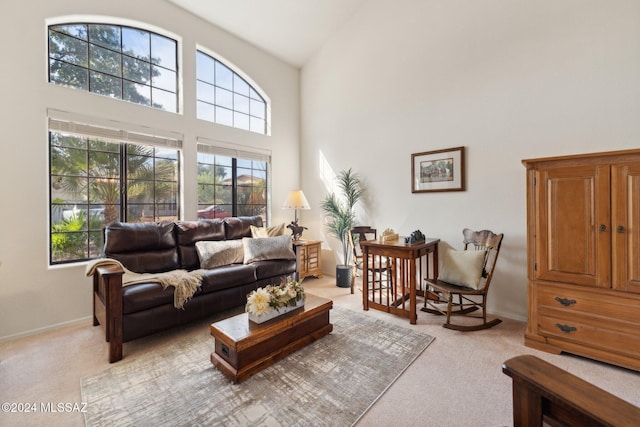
[107, 306]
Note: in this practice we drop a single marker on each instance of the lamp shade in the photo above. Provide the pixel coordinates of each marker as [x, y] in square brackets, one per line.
[296, 200]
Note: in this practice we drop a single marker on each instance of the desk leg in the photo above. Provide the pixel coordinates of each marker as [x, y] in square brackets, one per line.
[413, 316]
[365, 279]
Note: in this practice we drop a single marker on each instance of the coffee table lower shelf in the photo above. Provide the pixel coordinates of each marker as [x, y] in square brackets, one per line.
[243, 348]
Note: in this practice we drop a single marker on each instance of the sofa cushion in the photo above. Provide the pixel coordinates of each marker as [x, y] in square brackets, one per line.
[190, 232]
[274, 230]
[264, 248]
[227, 276]
[144, 296]
[273, 268]
[217, 253]
[148, 247]
[239, 227]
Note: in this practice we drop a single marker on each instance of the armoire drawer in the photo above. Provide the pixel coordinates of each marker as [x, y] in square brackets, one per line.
[586, 333]
[577, 301]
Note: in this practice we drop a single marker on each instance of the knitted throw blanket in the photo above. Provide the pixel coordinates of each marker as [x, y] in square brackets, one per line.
[186, 283]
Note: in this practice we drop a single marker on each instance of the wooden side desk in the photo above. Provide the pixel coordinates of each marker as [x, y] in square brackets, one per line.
[409, 264]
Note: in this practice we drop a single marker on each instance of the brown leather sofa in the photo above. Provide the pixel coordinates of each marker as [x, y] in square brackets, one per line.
[138, 310]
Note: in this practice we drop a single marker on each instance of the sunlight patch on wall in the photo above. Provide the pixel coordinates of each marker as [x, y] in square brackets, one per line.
[327, 174]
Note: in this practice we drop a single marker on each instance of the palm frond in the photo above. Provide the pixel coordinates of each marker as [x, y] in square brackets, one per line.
[341, 215]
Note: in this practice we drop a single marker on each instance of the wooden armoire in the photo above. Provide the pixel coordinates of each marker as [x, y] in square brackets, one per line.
[583, 244]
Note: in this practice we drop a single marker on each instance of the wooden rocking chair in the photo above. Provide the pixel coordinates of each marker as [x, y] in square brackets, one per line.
[471, 296]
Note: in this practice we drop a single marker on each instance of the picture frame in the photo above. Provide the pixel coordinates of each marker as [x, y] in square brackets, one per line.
[438, 170]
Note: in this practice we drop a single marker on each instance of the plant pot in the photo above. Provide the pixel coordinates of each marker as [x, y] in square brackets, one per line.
[275, 312]
[343, 276]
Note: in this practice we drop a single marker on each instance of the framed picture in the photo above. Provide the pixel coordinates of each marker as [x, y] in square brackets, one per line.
[440, 170]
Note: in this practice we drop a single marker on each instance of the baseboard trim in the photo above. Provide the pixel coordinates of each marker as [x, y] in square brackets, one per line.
[509, 316]
[82, 321]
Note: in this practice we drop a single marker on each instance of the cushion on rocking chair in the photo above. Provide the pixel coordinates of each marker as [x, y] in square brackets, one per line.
[462, 268]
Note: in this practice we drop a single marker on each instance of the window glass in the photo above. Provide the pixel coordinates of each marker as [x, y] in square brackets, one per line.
[163, 51]
[236, 102]
[163, 100]
[241, 103]
[224, 98]
[116, 61]
[135, 92]
[241, 120]
[206, 111]
[136, 70]
[105, 60]
[136, 43]
[163, 78]
[224, 76]
[205, 66]
[224, 116]
[206, 92]
[105, 84]
[105, 35]
[68, 75]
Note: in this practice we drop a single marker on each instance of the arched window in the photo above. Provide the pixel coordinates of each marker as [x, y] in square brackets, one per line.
[121, 62]
[224, 97]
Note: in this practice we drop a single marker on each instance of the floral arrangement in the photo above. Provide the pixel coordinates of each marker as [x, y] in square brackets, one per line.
[275, 297]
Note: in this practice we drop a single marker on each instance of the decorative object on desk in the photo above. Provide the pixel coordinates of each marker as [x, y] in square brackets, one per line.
[415, 237]
[340, 217]
[296, 200]
[388, 235]
[440, 170]
[274, 300]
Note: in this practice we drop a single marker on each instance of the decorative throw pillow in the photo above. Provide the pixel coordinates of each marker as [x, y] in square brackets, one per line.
[273, 231]
[462, 268]
[264, 248]
[219, 252]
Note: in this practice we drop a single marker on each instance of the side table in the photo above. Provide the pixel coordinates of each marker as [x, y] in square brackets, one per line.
[308, 258]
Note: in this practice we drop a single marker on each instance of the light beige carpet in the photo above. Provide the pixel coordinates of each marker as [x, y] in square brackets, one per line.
[333, 381]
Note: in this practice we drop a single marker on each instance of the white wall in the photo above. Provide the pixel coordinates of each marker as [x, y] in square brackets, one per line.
[506, 79]
[34, 296]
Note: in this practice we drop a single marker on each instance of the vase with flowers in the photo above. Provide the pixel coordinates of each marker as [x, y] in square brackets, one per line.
[274, 300]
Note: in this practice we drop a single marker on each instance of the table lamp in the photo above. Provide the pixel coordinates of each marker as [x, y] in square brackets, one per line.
[296, 200]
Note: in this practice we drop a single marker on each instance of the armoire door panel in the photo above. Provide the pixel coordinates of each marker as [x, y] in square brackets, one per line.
[626, 223]
[573, 225]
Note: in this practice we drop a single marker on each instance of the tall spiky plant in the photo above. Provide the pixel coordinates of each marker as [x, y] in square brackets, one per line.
[341, 213]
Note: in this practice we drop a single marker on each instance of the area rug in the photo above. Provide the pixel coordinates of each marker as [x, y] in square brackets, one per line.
[331, 382]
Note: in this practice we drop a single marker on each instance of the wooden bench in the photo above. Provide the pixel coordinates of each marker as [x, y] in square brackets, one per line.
[545, 393]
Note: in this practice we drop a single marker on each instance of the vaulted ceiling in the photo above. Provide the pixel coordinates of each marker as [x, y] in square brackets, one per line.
[292, 30]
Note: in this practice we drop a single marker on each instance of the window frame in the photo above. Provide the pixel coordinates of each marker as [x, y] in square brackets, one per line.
[263, 209]
[92, 133]
[252, 93]
[154, 90]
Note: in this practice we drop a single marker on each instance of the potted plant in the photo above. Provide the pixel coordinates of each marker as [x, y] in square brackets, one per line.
[340, 214]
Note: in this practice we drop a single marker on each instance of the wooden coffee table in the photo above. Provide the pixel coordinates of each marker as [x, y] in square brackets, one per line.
[243, 348]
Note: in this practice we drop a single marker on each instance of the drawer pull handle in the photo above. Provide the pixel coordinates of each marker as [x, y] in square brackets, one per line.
[566, 328]
[564, 301]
